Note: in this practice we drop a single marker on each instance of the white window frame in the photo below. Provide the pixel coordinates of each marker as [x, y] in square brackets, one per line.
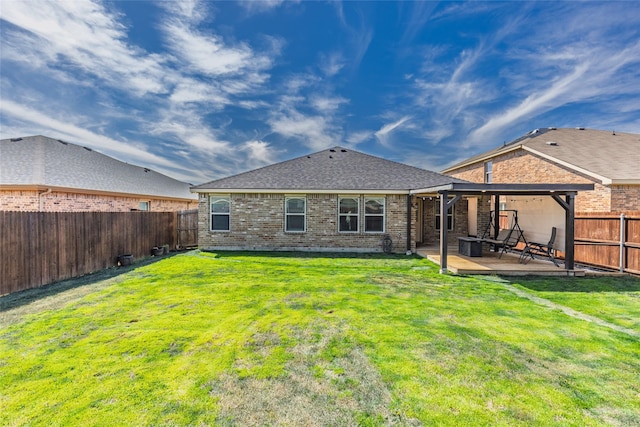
[450, 214]
[287, 214]
[214, 199]
[356, 214]
[488, 172]
[383, 201]
[144, 205]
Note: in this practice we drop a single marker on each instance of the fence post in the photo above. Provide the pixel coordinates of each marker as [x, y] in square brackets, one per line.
[622, 242]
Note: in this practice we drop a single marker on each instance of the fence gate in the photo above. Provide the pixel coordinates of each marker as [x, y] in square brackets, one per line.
[188, 229]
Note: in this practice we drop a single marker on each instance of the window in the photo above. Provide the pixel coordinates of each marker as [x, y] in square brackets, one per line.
[295, 212]
[220, 213]
[449, 216]
[348, 210]
[374, 215]
[143, 206]
[488, 172]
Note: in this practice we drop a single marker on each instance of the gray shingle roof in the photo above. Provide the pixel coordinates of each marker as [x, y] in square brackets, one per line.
[607, 154]
[43, 161]
[333, 169]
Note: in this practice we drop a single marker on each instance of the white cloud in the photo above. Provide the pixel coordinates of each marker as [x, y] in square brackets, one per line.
[86, 36]
[56, 128]
[208, 54]
[332, 64]
[256, 6]
[326, 104]
[192, 90]
[385, 131]
[593, 74]
[258, 154]
[356, 138]
[313, 131]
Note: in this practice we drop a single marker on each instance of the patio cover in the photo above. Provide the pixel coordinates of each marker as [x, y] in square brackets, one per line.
[563, 194]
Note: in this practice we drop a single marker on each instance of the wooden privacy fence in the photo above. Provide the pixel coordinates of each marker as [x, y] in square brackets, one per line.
[609, 240]
[188, 228]
[38, 248]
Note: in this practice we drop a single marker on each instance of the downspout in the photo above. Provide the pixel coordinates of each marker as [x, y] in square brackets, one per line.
[409, 217]
[40, 201]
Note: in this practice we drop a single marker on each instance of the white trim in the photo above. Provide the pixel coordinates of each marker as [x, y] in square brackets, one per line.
[304, 214]
[603, 180]
[384, 214]
[625, 182]
[211, 213]
[295, 191]
[357, 214]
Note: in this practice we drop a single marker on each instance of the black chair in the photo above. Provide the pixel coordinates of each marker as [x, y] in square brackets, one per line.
[533, 249]
[506, 240]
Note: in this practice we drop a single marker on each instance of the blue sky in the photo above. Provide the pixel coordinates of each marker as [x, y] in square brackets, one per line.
[202, 90]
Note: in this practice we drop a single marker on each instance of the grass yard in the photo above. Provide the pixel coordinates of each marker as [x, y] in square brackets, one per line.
[314, 340]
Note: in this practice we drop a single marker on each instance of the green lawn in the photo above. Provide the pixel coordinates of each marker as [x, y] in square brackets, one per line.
[280, 339]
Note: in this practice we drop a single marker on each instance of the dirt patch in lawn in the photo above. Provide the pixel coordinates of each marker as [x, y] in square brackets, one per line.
[327, 381]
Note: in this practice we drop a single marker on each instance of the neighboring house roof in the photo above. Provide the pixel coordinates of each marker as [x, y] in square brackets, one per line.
[608, 156]
[333, 170]
[46, 162]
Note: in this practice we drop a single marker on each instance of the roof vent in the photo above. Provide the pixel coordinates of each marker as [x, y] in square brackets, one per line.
[613, 132]
[332, 150]
[343, 150]
[553, 128]
[331, 157]
[579, 128]
[552, 143]
[62, 142]
[308, 157]
[16, 139]
[533, 132]
[146, 170]
[87, 148]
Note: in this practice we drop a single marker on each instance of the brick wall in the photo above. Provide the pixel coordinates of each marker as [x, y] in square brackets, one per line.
[431, 235]
[521, 167]
[34, 201]
[257, 223]
[625, 198]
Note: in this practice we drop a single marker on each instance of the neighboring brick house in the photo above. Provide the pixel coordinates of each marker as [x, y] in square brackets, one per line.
[610, 160]
[336, 199]
[38, 173]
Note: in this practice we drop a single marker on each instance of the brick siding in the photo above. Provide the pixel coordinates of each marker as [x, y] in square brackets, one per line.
[34, 201]
[431, 235]
[257, 223]
[521, 167]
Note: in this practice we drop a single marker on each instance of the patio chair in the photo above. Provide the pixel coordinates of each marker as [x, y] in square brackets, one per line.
[506, 240]
[533, 249]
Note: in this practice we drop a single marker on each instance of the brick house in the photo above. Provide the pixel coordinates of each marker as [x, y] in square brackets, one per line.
[609, 160]
[38, 173]
[336, 199]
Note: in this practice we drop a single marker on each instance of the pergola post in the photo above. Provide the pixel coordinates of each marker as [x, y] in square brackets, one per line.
[496, 215]
[569, 222]
[444, 196]
[570, 233]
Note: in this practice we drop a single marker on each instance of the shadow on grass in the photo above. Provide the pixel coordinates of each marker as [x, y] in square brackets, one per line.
[304, 254]
[17, 299]
[579, 284]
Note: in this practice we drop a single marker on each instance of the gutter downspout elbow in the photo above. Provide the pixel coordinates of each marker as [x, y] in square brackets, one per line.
[40, 200]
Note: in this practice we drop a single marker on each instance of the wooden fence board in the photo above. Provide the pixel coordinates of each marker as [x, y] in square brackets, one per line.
[38, 248]
[599, 240]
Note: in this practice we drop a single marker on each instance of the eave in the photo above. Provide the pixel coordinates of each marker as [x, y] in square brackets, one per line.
[504, 189]
[293, 191]
[39, 187]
